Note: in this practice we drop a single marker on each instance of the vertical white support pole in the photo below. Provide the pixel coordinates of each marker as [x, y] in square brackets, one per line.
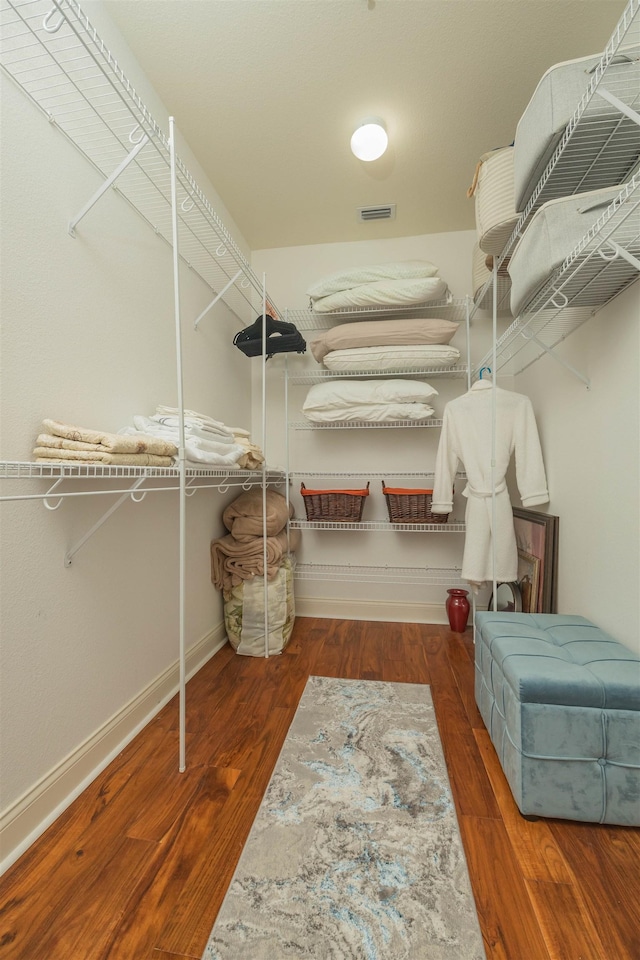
[494, 338]
[286, 444]
[181, 451]
[468, 311]
[264, 463]
[473, 616]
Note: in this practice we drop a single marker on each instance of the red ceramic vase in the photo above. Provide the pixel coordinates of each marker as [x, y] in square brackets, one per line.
[457, 607]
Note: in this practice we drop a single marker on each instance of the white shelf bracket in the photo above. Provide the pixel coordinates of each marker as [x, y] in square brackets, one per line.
[224, 485]
[563, 363]
[108, 183]
[47, 21]
[216, 298]
[53, 506]
[618, 251]
[190, 489]
[618, 104]
[112, 509]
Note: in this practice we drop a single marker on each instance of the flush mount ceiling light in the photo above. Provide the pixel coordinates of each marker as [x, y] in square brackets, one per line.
[370, 139]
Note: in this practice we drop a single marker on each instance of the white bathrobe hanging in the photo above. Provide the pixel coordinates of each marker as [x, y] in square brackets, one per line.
[466, 438]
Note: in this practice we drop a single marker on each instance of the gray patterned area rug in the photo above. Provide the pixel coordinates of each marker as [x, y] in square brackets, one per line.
[355, 853]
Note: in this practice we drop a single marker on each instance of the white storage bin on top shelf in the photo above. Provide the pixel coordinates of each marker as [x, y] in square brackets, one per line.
[613, 137]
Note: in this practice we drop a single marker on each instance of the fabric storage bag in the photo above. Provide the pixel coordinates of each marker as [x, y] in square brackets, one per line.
[480, 275]
[553, 104]
[554, 231]
[492, 188]
[244, 613]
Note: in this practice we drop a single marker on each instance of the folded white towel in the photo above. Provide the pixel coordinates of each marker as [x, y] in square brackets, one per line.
[212, 446]
[163, 411]
[172, 432]
[206, 428]
[200, 451]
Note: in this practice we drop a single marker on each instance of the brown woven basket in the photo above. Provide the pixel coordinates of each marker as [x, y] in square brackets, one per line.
[411, 506]
[337, 505]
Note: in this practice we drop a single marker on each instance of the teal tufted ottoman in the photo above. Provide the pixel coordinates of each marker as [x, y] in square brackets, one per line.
[561, 702]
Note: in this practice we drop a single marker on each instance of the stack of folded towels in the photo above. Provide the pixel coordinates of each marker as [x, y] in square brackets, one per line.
[207, 441]
[240, 555]
[65, 443]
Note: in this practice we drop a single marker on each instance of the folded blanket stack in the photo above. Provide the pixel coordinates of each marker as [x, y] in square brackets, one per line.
[208, 442]
[400, 284]
[240, 555]
[65, 443]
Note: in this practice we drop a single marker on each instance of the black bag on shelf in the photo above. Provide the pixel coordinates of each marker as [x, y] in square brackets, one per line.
[281, 338]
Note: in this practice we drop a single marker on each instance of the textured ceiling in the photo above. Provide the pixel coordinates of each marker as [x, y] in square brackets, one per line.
[268, 92]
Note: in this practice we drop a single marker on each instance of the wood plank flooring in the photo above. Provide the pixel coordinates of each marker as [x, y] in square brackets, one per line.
[137, 867]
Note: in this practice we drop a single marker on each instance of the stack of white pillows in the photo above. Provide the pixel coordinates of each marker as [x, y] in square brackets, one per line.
[399, 283]
[393, 345]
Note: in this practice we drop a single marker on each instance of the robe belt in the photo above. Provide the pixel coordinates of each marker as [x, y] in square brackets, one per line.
[484, 494]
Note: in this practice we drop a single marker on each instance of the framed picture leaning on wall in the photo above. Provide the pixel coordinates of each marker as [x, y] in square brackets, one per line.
[537, 540]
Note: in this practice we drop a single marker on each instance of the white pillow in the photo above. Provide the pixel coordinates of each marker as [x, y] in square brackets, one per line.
[377, 333]
[354, 276]
[341, 393]
[412, 357]
[384, 293]
[378, 412]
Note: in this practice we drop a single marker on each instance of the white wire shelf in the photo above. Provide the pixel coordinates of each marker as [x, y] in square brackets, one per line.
[604, 263]
[449, 309]
[363, 424]
[52, 51]
[444, 576]
[368, 474]
[452, 526]
[23, 469]
[600, 146]
[144, 479]
[317, 376]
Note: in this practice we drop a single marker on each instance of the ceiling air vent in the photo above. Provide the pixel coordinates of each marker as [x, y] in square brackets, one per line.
[386, 211]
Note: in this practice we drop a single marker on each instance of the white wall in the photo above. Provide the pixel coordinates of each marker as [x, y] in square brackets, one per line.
[88, 338]
[289, 272]
[591, 443]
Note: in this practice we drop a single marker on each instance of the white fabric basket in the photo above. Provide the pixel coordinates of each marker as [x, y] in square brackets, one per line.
[480, 275]
[552, 106]
[496, 215]
[554, 231]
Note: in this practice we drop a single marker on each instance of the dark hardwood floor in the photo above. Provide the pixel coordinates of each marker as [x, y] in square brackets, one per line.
[136, 868]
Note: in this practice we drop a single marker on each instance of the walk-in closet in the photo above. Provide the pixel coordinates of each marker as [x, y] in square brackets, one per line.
[177, 178]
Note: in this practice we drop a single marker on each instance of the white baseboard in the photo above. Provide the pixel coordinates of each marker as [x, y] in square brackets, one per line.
[29, 816]
[332, 608]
